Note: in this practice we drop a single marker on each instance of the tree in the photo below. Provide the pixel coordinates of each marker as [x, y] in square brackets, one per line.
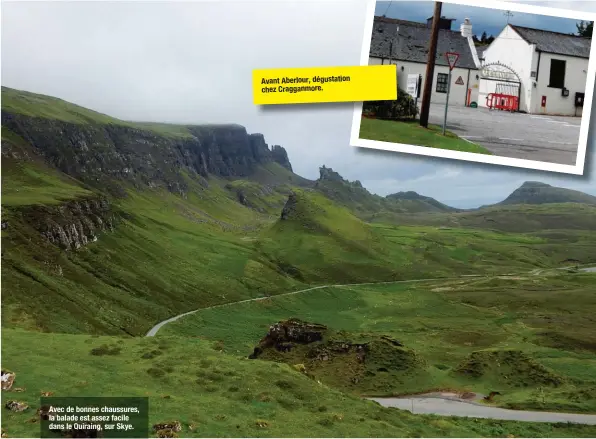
[483, 38]
[584, 28]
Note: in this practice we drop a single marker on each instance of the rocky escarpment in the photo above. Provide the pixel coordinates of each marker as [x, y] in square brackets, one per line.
[99, 154]
[280, 156]
[73, 224]
[328, 174]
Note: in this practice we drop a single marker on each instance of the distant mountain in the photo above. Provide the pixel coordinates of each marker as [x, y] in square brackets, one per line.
[354, 196]
[534, 192]
[427, 204]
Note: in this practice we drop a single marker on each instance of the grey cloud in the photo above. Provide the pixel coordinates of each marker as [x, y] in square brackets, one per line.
[191, 62]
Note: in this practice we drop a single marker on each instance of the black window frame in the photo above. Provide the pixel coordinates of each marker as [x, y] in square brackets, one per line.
[441, 83]
[559, 74]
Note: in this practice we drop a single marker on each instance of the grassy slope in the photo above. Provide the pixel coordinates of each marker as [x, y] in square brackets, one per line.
[214, 394]
[548, 319]
[324, 243]
[514, 218]
[412, 134]
[166, 256]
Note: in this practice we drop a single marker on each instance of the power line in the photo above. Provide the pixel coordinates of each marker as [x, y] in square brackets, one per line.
[388, 6]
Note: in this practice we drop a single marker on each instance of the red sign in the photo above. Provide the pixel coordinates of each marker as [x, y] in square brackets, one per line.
[544, 101]
[460, 81]
[452, 58]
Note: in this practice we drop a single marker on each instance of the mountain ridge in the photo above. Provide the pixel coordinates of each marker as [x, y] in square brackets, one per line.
[166, 155]
[536, 192]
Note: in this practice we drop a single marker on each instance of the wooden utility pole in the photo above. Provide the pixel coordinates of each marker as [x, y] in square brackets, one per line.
[430, 66]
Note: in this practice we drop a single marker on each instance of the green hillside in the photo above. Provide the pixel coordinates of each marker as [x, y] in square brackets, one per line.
[213, 394]
[110, 227]
[529, 337]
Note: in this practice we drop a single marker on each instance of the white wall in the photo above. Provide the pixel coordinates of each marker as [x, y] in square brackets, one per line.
[511, 49]
[575, 81]
[457, 93]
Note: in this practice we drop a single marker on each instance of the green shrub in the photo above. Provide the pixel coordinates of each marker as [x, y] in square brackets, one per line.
[404, 107]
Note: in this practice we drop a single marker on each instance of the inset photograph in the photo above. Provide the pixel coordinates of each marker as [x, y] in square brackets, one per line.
[511, 84]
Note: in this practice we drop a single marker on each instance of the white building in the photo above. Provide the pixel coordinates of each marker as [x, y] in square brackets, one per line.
[405, 43]
[551, 68]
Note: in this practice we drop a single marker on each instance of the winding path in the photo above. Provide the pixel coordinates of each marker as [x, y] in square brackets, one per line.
[157, 327]
[153, 331]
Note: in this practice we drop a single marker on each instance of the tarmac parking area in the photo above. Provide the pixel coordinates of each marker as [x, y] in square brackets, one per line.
[552, 139]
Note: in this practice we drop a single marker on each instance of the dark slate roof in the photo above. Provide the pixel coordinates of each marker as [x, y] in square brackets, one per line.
[412, 42]
[555, 42]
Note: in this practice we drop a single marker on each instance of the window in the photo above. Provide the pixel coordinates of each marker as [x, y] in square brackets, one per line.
[557, 73]
[442, 79]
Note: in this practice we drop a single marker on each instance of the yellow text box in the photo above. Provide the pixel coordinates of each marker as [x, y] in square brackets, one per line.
[324, 84]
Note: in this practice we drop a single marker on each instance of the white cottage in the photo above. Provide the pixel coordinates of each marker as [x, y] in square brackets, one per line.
[405, 43]
[546, 69]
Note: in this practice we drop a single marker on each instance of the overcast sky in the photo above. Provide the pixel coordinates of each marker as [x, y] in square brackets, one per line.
[483, 19]
[191, 62]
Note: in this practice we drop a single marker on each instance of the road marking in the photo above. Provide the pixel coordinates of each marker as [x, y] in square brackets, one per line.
[560, 143]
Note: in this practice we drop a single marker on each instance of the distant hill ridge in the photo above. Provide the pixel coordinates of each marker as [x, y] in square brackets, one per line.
[104, 152]
[534, 192]
[415, 196]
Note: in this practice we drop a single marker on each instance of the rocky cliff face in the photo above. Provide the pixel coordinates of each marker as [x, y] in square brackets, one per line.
[100, 154]
[281, 156]
[73, 224]
[328, 174]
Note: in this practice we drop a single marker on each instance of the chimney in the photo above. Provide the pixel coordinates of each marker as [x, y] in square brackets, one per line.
[444, 23]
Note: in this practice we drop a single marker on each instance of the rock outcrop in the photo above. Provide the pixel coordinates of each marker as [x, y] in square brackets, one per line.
[329, 174]
[7, 379]
[290, 206]
[283, 335]
[348, 360]
[73, 224]
[281, 156]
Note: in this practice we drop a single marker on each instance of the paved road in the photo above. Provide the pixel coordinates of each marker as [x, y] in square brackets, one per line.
[524, 136]
[449, 407]
[157, 327]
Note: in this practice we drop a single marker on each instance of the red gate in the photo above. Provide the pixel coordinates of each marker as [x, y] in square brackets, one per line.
[501, 101]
